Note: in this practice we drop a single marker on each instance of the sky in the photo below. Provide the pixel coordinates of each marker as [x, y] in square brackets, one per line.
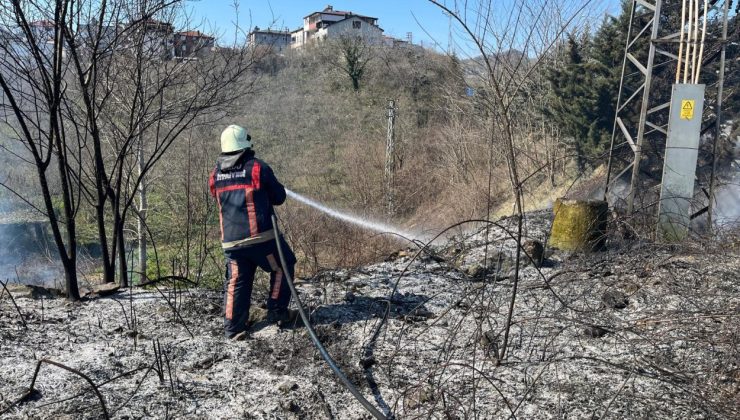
[425, 21]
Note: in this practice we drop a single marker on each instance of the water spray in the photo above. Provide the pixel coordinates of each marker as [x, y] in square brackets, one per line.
[356, 220]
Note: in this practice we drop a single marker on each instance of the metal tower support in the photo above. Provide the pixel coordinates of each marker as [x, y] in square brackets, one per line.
[642, 93]
[647, 71]
[649, 28]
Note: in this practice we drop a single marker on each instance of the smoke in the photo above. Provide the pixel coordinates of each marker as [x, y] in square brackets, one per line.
[355, 220]
[24, 256]
[727, 208]
[726, 212]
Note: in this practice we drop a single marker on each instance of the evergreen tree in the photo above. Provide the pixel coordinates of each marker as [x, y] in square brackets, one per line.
[582, 101]
[584, 87]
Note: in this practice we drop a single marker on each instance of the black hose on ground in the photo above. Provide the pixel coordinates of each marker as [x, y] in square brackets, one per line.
[347, 383]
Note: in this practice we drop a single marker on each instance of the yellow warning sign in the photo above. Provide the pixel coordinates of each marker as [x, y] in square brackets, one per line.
[687, 109]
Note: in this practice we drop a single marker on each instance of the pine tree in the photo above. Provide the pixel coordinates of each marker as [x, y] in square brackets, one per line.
[571, 100]
[584, 87]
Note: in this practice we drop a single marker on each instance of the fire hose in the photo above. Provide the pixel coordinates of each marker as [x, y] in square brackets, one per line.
[315, 339]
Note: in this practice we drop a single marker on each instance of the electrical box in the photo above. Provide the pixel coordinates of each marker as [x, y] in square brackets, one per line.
[679, 165]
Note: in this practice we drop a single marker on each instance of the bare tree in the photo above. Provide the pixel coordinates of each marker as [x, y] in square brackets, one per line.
[32, 73]
[350, 54]
[127, 99]
[505, 49]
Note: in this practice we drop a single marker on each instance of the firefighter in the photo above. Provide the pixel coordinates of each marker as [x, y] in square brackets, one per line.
[246, 190]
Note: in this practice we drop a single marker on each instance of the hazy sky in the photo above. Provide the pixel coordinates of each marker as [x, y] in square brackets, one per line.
[397, 17]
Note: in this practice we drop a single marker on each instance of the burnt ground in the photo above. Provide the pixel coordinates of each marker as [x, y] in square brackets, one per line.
[638, 331]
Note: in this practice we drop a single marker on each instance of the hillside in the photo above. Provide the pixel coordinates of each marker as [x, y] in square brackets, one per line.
[637, 331]
[147, 153]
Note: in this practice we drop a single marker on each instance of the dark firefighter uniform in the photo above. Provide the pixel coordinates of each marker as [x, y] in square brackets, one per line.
[246, 190]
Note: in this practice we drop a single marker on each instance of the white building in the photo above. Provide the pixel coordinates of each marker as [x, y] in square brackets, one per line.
[269, 38]
[43, 34]
[158, 41]
[354, 26]
[330, 24]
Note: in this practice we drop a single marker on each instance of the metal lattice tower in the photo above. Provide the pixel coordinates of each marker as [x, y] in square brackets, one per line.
[651, 53]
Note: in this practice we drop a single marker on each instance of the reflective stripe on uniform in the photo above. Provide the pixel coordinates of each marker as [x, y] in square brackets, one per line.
[278, 283]
[278, 276]
[256, 175]
[220, 216]
[234, 268]
[251, 212]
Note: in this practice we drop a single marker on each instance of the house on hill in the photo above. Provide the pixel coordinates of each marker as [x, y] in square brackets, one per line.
[192, 44]
[43, 34]
[157, 39]
[273, 39]
[332, 24]
[42, 30]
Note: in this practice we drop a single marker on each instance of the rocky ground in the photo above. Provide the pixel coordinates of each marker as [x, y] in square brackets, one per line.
[638, 331]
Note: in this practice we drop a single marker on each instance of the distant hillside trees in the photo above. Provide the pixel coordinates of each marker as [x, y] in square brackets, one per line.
[584, 75]
[584, 81]
[582, 104]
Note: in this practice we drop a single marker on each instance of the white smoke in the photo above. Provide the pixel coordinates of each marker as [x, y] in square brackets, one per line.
[727, 205]
[726, 212]
[25, 255]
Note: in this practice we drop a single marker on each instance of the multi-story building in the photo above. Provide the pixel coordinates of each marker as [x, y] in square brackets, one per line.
[43, 34]
[330, 23]
[42, 30]
[106, 37]
[158, 39]
[155, 39]
[193, 44]
[269, 38]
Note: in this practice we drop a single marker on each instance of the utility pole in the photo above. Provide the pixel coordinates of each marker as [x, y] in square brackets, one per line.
[450, 45]
[390, 164]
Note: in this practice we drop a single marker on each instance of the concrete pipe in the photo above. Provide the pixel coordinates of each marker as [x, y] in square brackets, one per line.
[579, 225]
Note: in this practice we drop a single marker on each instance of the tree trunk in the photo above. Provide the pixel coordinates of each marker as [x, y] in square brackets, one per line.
[70, 278]
[580, 164]
[122, 267]
[68, 252]
[119, 248]
[141, 217]
[109, 274]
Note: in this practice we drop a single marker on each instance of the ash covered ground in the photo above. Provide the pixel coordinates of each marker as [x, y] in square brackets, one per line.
[638, 331]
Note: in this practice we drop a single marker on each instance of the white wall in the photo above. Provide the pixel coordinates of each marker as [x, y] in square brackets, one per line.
[369, 33]
[299, 39]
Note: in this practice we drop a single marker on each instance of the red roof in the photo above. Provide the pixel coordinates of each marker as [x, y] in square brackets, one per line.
[195, 34]
[43, 23]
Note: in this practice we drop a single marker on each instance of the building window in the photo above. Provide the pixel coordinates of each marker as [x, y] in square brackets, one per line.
[357, 24]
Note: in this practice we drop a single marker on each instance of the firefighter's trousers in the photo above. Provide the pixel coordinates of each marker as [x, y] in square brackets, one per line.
[241, 265]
